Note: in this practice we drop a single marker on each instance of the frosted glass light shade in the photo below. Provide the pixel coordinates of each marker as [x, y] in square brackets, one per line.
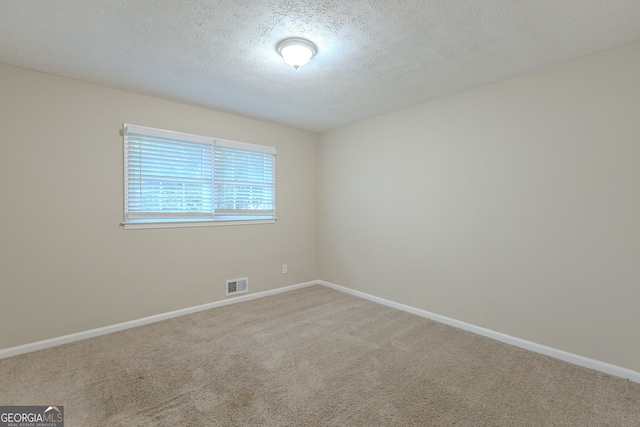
[296, 51]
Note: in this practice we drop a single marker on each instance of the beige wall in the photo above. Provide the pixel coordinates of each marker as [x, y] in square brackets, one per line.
[66, 264]
[515, 206]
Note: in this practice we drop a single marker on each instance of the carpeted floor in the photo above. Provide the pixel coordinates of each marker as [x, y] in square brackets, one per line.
[311, 357]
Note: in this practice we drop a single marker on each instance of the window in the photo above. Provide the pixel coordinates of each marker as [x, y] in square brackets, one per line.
[175, 179]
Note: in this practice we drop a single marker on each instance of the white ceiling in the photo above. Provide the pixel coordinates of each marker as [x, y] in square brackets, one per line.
[374, 56]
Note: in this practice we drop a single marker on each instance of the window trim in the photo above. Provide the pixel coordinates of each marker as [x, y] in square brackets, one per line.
[195, 223]
[220, 219]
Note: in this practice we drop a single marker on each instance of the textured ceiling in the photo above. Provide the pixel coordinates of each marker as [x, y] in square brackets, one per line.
[374, 56]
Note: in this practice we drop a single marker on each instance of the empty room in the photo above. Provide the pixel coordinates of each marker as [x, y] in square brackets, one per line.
[319, 213]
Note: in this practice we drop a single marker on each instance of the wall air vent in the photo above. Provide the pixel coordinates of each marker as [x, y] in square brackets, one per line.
[237, 286]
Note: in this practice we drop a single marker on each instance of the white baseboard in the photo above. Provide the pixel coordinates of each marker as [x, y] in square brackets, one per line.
[40, 345]
[528, 345]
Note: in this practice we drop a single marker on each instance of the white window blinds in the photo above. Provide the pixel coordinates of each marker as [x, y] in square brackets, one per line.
[243, 181]
[171, 176]
[168, 178]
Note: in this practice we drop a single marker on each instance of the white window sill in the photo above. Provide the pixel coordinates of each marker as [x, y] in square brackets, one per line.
[132, 225]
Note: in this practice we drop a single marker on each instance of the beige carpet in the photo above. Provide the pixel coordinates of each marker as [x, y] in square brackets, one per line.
[311, 357]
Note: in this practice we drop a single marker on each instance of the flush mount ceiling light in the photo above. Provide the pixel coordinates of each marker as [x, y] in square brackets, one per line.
[296, 51]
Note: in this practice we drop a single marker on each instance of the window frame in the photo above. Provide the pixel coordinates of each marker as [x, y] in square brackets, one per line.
[155, 221]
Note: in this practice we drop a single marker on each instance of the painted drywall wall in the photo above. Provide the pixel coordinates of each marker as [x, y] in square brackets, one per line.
[67, 265]
[515, 206]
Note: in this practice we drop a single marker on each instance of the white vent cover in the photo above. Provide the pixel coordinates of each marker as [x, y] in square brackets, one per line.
[237, 286]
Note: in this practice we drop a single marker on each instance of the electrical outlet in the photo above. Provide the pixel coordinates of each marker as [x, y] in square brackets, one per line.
[284, 268]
